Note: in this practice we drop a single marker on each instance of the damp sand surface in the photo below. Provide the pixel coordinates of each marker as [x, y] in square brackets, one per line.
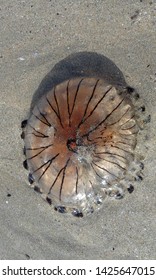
[35, 35]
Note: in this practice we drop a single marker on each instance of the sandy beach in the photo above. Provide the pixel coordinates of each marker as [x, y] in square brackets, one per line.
[35, 35]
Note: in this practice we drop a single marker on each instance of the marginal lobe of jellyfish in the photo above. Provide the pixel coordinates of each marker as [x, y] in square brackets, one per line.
[81, 134]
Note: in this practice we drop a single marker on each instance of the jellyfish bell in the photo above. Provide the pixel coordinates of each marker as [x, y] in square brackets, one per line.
[81, 134]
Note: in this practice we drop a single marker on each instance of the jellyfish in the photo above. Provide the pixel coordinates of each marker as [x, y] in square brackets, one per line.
[81, 134]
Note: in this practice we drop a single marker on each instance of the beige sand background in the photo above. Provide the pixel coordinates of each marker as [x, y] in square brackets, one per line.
[34, 36]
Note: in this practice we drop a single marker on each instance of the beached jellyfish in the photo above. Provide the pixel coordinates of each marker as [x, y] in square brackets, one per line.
[81, 134]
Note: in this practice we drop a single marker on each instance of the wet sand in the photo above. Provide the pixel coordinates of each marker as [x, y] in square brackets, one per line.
[35, 35]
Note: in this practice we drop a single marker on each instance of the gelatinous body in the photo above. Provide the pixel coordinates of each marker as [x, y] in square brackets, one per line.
[80, 139]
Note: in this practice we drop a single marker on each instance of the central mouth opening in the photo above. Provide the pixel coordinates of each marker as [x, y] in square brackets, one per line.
[73, 144]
